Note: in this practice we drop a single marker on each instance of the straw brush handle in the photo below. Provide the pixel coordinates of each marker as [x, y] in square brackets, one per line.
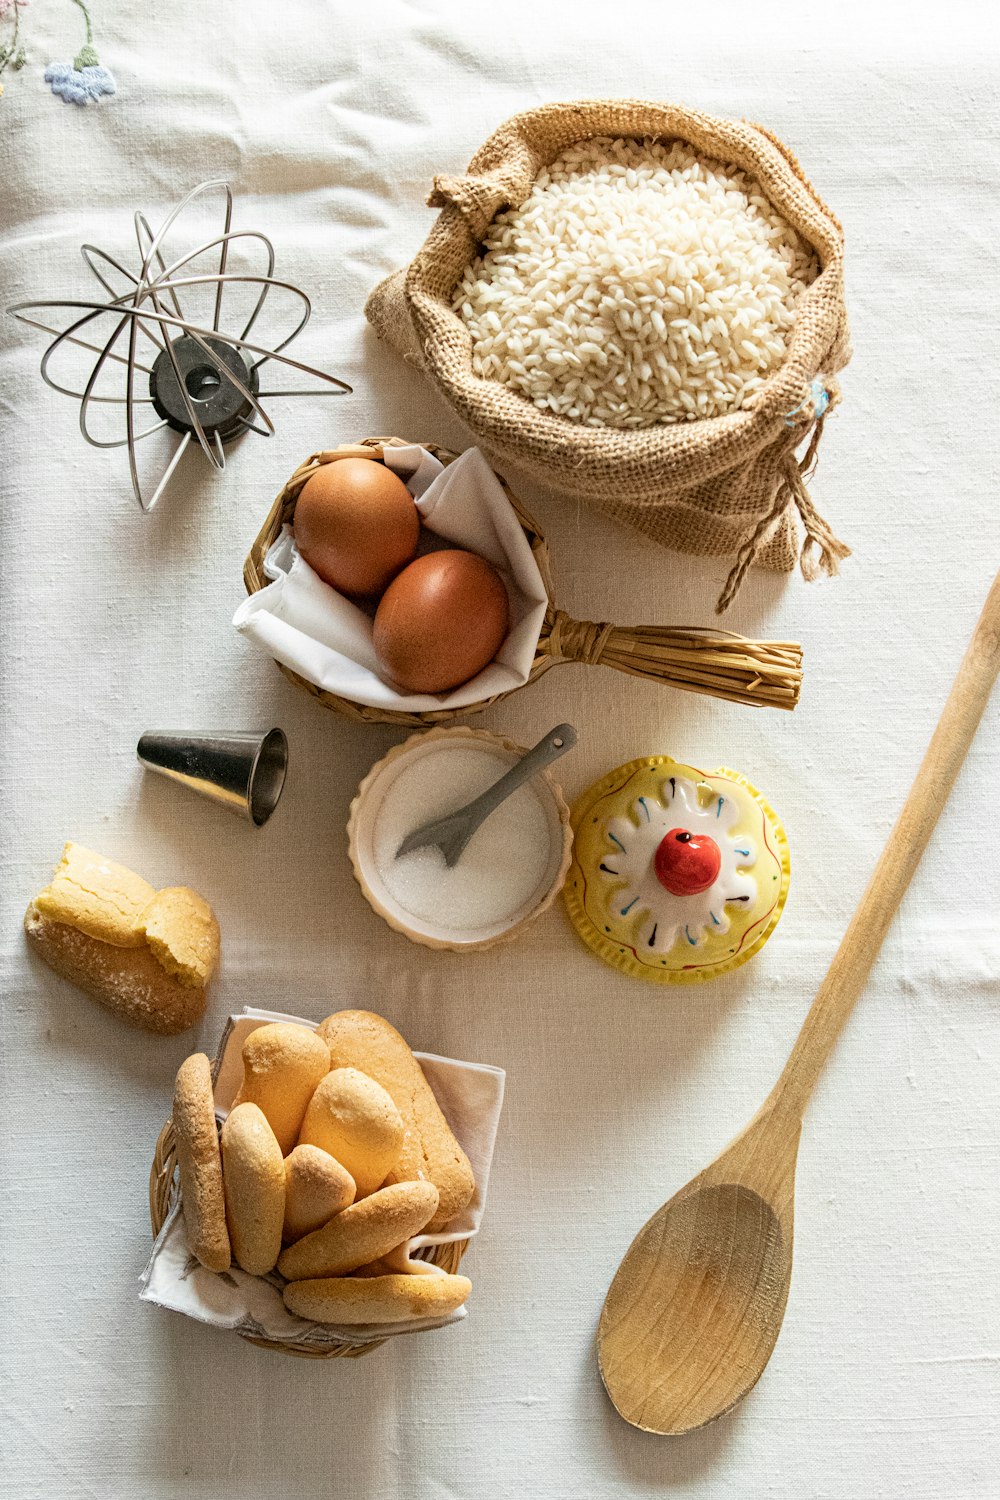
[859, 948]
[763, 673]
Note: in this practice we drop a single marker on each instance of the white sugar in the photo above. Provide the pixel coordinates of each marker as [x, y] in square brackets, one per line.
[502, 872]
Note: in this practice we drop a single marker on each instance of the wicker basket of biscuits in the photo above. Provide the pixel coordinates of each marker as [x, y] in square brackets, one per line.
[309, 1191]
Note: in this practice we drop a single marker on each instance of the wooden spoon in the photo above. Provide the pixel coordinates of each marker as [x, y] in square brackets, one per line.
[696, 1306]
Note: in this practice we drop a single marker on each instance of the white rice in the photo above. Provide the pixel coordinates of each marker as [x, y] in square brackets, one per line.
[637, 283]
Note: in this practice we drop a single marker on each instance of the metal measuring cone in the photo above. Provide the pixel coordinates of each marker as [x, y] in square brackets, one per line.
[245, 772]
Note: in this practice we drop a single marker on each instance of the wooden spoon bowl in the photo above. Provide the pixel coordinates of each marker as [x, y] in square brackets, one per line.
[716, 1263]
[710, 1255]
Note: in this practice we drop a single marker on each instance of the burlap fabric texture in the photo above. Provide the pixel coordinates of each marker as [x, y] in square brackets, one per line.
[724, 486]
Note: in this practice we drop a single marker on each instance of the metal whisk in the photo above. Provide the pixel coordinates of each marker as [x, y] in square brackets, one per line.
[203, 382]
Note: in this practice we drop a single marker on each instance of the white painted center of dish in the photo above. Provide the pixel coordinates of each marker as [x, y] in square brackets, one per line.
[666, 919]
[504, 870]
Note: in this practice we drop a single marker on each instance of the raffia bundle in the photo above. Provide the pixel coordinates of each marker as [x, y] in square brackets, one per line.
[725, 486]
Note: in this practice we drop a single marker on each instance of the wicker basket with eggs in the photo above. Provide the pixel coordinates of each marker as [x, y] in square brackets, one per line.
[715, 662]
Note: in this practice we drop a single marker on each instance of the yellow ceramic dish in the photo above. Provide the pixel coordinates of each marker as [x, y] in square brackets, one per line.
[677, 874]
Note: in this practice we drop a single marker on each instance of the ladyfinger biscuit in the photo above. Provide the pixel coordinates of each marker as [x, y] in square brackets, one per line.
[253, 1177]
[182, 933]
[378, 1299]
[354, 1119]
[397, 1262]
[200, 1163]
[147, 956]
[128, 981]
[360, 1039]
[282, 1064]
[316, 1188]
[97, 897]
[363, 1232]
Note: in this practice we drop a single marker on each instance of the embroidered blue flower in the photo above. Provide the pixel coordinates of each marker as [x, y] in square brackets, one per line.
[85, 81]
[78, 85]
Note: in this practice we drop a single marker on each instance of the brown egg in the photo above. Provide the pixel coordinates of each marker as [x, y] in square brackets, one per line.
[356, 525]
[442, 620]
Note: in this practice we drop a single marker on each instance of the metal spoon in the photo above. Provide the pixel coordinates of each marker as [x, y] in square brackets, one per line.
[451, 833]
[696, 1306]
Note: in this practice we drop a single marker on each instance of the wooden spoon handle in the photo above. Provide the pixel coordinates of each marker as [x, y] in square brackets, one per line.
[859, 948]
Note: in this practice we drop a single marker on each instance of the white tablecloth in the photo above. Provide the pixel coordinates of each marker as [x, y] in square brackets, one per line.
[330, 119]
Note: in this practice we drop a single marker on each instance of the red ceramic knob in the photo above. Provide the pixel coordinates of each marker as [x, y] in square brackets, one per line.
[687, 863]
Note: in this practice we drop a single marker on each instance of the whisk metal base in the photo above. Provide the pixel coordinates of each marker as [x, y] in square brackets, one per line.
[222, 409]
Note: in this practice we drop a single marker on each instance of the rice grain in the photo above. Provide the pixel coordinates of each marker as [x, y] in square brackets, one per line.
[632, 276]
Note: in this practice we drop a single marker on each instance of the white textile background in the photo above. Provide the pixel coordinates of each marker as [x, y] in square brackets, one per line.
[330, 120]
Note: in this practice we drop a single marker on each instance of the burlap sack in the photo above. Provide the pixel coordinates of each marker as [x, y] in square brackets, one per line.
[724, 486]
